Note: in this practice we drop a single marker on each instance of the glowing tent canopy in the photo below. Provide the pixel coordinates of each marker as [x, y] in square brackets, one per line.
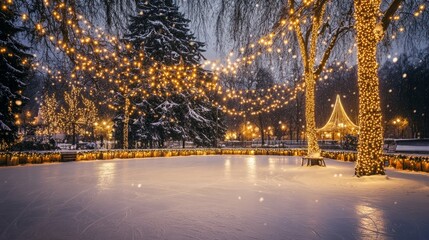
[339, 123]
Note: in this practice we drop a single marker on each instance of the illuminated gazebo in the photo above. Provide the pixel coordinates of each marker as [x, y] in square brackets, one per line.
[339, 124]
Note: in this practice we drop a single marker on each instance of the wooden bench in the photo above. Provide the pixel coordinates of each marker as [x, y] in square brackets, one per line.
[68, 156]
[313, 161]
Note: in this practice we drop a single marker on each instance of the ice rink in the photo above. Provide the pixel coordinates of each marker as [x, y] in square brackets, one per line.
[210, 197]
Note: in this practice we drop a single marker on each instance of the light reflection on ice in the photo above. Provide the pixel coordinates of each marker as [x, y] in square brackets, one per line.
[210, 197]
[251, 168]
[106, 173]
[371, 222]
[227, 165]
[271, 165]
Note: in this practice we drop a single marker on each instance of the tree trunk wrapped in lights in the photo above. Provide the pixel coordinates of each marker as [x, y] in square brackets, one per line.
[126, 121]
[308, 53]
[369, 33]
[313, 146]
[304, 22]
[370, 146]
[48, 113]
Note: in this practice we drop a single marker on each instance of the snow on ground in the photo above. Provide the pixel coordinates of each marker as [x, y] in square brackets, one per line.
[410, 148]
[210, 197]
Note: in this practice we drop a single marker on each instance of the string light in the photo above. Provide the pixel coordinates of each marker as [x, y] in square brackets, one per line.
[85, 65]
[161, 77]
[370, 145]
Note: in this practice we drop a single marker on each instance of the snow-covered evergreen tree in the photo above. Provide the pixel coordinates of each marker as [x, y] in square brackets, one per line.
[14, 68]
[173, 111]
[162, 33]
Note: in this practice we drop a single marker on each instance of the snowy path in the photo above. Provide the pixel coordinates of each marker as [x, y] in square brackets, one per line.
[210, 197]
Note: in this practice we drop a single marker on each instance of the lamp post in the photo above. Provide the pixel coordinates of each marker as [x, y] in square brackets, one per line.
[94, 129]
[394, 129]
[105, 127]
[102, 129]
[269, 132]
[400, 125]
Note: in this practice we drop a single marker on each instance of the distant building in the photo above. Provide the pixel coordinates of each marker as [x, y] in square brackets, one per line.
[338, 125]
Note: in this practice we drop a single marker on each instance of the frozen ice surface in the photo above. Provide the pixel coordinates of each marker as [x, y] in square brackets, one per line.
[210, 197]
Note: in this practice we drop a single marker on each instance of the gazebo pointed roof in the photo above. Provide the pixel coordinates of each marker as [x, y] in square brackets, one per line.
[339, 121]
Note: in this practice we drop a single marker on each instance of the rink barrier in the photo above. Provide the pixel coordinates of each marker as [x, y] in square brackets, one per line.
[401, 162]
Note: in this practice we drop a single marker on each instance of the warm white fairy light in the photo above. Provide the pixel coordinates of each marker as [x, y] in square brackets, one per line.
[264, 44]
[370, 146]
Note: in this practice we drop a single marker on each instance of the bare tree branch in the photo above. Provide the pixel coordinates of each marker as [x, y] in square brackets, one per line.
[388, 15]
[331, 46]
